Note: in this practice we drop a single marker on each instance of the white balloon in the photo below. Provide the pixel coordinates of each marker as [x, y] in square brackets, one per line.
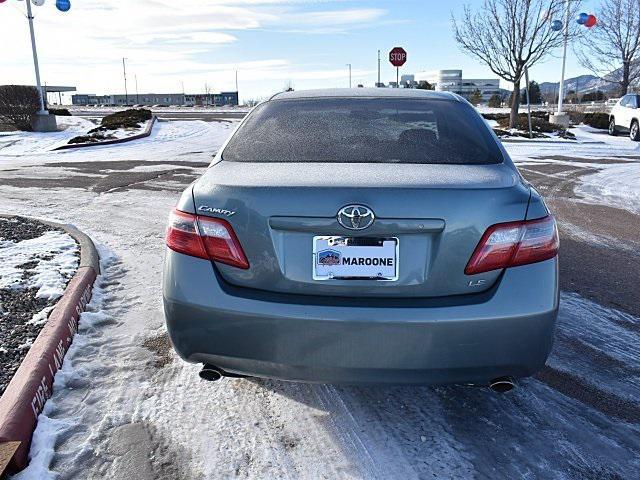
[38, 3]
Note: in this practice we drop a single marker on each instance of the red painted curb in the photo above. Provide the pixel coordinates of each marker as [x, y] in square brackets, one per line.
[116, 141]
[31, 386]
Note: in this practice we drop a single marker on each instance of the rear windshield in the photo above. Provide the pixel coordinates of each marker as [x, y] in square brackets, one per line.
[364, 130]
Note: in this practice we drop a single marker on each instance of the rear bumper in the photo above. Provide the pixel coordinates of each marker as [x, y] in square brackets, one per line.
[508, 331]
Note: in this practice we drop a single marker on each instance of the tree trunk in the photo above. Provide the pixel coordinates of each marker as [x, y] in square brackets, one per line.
[515, 105]
[626, 72]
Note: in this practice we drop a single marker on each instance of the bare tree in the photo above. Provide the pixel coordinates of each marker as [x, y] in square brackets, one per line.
[509, 35]
[18, 103]
[611, 49]
[252, 102]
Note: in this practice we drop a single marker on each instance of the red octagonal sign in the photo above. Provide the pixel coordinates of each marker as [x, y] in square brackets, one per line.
[398, 56]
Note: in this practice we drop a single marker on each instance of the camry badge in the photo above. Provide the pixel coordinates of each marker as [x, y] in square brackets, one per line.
[356, 217]
[219, 211]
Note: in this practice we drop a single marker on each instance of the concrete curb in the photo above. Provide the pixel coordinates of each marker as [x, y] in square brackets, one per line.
[32, 384]
[144, 134]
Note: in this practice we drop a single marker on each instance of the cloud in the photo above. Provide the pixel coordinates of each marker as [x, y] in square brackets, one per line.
[166, 41]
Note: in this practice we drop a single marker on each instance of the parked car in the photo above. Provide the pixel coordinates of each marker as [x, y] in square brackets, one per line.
[625, 116]
[363, 236]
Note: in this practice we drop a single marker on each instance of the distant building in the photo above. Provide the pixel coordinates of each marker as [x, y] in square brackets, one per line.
[408, 81]
[163, 99]
[452, 81]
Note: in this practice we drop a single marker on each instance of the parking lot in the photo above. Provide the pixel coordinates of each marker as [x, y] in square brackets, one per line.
[124, 402]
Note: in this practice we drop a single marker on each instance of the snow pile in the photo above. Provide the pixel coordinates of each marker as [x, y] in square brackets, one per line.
[55, 257]
[193, 140]
[23, 143]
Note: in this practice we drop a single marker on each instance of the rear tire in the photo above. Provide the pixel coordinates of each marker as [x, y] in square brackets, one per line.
[612, 127]
[634, 131]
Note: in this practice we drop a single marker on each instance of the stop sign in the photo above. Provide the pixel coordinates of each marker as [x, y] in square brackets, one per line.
[397, 56]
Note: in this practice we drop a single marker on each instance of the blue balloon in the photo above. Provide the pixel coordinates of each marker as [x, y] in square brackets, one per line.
[63, 5]
[556, 25]
[582, 18]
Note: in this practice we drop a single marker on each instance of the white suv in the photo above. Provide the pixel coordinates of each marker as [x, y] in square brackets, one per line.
[625, 115]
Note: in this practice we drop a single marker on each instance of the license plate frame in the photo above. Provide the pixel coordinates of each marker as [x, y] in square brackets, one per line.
[341, 244]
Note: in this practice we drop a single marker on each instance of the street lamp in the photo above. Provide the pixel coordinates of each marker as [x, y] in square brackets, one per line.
[43, 122]
[349, 65]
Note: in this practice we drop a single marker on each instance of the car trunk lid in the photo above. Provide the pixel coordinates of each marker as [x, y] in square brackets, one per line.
[436, 212]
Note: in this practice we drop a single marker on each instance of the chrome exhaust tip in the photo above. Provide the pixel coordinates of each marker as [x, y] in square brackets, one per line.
[502, 384]
[210, 373]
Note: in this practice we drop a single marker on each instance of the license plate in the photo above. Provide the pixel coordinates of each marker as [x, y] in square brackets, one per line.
[355, 258]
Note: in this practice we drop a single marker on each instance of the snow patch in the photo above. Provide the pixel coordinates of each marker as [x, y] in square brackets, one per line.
[56, 254]
[614, 185]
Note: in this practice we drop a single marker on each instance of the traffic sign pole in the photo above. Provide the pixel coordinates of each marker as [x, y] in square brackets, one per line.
[397, 58]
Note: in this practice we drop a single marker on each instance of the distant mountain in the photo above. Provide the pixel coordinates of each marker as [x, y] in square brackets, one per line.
[582, 84]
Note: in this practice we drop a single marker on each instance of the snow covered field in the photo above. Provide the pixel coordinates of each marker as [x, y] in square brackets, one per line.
[125, 407]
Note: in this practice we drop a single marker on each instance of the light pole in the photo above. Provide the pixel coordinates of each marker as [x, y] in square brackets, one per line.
[124, 70]
[588, 21]
[137, 94]
[349, 65]
[42, 121]
[378, 84]
[564, 56]
[42, 111]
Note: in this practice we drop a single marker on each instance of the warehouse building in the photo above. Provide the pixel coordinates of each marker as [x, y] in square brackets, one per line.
[161, 99]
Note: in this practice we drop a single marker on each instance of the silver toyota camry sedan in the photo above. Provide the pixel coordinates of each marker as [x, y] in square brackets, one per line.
[363, 236]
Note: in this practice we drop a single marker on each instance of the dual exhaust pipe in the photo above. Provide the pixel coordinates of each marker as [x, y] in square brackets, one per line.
[211, 373]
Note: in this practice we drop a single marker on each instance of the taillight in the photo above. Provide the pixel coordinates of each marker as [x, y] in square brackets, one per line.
[204, 237]
[515, 243]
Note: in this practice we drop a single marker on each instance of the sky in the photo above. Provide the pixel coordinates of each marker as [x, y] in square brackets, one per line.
[270, 43]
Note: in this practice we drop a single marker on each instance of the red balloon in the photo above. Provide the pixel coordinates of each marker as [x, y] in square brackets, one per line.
[591, 21]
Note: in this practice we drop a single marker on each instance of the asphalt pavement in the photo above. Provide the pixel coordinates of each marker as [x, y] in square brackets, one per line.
[599, 256]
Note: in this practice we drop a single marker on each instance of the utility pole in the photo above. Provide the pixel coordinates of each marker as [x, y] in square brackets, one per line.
[124, 70]
[184, 98]
[236, 81]
[378, 84]
[42, 111]
[349, 65]
[137, 95]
